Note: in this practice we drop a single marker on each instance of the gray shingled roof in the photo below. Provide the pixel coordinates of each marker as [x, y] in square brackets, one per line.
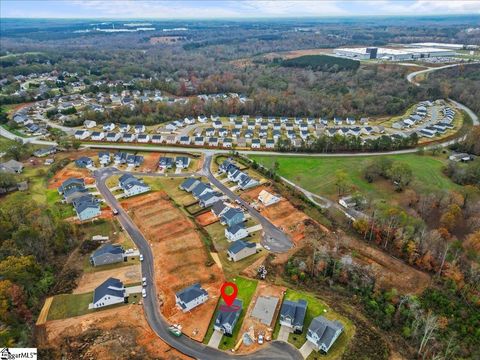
[108, 249]
[229, 317]
[192, 292]
[295, 310]
[108, 288]
[239, 245]
[325, 330]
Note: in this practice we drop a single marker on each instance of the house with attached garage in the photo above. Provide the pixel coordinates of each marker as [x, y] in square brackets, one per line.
[214, 118]
[134, 160]
[238, 125]
[108, 126]
[98, 135]
[124, 127]
[182, 162]
[219, 208]
[267, 198]
[202, 118]
[209, 198]
[171, 127]
[120, 158]
[139, 128]
[110, 292]
[191, 297]
[189, 120]
[222, 132]
[263, 133]
[86, 207]
[199, 140]
[113, 137]
[213, 141]
[232, 217]
[89, 124]
[255, 144]
[127, 137]
[84, 162]
[227, 142]
[185, 140]
[107, 254]
[143, 138]
[81, 134]
[69, 184]
[45, 151]
[249, 134]
[132, 186]
[232, 118]
[251, 125]
[227, 165]
[209, 131]
[217, 124]
[322, 333]
[201, 189]
[350, 121]
[227, 317]
[269, 143]
[246, 182]
[74, 193]
[104, 158]
[189, 184]
[241, 249]
[303, 127]
[292, 315]
[165, 162]
[156, 139]
[236, 232]
[234, 174]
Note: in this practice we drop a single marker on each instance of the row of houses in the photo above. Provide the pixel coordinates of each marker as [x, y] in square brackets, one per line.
[201, 191]
[441, 126]
[234, 174]
[180, 162]
[74, 192]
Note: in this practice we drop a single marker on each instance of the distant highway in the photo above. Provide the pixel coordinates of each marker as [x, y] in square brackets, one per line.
[274, 350]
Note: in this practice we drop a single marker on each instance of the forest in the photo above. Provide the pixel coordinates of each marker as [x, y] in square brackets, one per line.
[321, 63]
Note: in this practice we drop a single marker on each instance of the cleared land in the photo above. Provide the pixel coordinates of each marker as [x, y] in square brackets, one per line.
[180, 259]
[318, 174]
[127, 274]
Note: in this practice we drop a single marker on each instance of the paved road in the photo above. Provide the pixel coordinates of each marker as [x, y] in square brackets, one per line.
[274, 350]
[273, 238]
[411, 76]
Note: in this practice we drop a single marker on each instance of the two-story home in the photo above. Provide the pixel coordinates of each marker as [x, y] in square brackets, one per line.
[227, 317]
[107, 254]
[232, 217]
[110, 292]
[132, 186]
[241, 249]
[322, 333]
[191, 297]
[292, 314]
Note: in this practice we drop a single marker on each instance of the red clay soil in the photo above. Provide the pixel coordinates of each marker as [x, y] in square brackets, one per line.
[206, 218]
[150, 162]
[180, 259]
[116, 326]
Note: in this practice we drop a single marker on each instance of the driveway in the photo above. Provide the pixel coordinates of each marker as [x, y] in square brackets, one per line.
[133, 289]
[283, 333]
[306, 349]
[215, 339]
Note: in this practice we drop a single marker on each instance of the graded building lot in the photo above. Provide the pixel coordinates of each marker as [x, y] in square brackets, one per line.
[282, 214]
[252, 325]
[70, 171]
[116, 333]
[207, 218]
[127, 274]
[180, 259]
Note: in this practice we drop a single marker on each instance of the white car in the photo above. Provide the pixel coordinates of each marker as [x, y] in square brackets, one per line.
[144, 281]
[260, 339]
[144, 293]
[141, 257]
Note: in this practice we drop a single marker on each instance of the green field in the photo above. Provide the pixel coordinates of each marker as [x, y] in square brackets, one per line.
[317, 174]
[316, 307]
[246, 289]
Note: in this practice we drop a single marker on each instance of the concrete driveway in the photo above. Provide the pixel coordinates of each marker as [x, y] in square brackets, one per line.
[306, 349]
[133, 289]
[215, 339]
[283, 333]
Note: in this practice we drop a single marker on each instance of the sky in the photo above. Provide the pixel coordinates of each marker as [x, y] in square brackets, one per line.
[200, 9]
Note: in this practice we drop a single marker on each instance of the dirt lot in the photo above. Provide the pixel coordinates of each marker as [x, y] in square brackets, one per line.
[180, 259]
[206, 219]
[89, 281]
[119, 333]
[252, 325]
[282, 214]
[67, 172]
[150, 162]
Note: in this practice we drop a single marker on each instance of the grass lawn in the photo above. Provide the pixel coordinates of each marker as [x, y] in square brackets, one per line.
[5, 143]
[317, 174]
[104, 227]
[231, 268]
[14, 131]
[246, 289]
[315, 308]
[171, 187]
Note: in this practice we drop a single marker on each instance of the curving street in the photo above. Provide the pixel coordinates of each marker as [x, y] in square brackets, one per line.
[274, 350]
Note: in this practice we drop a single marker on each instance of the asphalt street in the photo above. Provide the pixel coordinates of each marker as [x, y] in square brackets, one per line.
[274, 350]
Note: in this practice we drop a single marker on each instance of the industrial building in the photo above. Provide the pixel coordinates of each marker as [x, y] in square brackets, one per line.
[443, 45]
[364, 53]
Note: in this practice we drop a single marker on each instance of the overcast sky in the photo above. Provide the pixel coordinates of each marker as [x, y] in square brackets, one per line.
[228, 9]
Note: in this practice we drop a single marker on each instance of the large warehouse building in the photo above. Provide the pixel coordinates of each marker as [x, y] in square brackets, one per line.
[393, 54]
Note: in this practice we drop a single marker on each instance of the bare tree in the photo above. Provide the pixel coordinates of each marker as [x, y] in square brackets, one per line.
[430, 324]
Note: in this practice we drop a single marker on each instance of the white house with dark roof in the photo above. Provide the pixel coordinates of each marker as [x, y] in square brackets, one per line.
[139, 128]
[81, 134]
[209, 198]
[292, 314]
[143, 138]
[189, 184]
[191, 297]
[98, 135]
[127, 137]
[322, 333]
[236, 232]
[113, 137]
[108, 126]
[107, 254]
[241, 249]
[219, 208]
[131, 185]
[110, 292]
[182, 162]
[227, 317]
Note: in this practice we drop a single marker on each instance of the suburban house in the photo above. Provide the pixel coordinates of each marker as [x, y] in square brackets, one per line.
[219, 208]
[127, 137]
[200, 189]
[269, 143]
[322, 333]
[69, 184]
[98, 135]
[292, 314]
[267, 198]
[139, 128]
[124, 127]
[189, 184]
[89, 124]
[108, 126]
[255, 144]
[182, 162]
[185, 140]
[165, 162]
[81, 134]
[232, 216]
[70, 195]
[241, 249]
[11, 167]
[246, 182]
[227, 142]
[107, 254]
[222, 132]
[113, 137]
[156, 139]
[227, 317]
[460, 157]
[199, 140]
[86, 207]
[190, 297]
[131, 185]
[143, 138]
[236, 232]
[209, 198]
[110, 292]
[83, 162]
[104, 158]
[134, 160]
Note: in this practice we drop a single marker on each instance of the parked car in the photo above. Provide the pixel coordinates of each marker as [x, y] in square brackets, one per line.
[144, 293]
[144, 281]
[141, 257]
[260, 339]
[115, 211]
